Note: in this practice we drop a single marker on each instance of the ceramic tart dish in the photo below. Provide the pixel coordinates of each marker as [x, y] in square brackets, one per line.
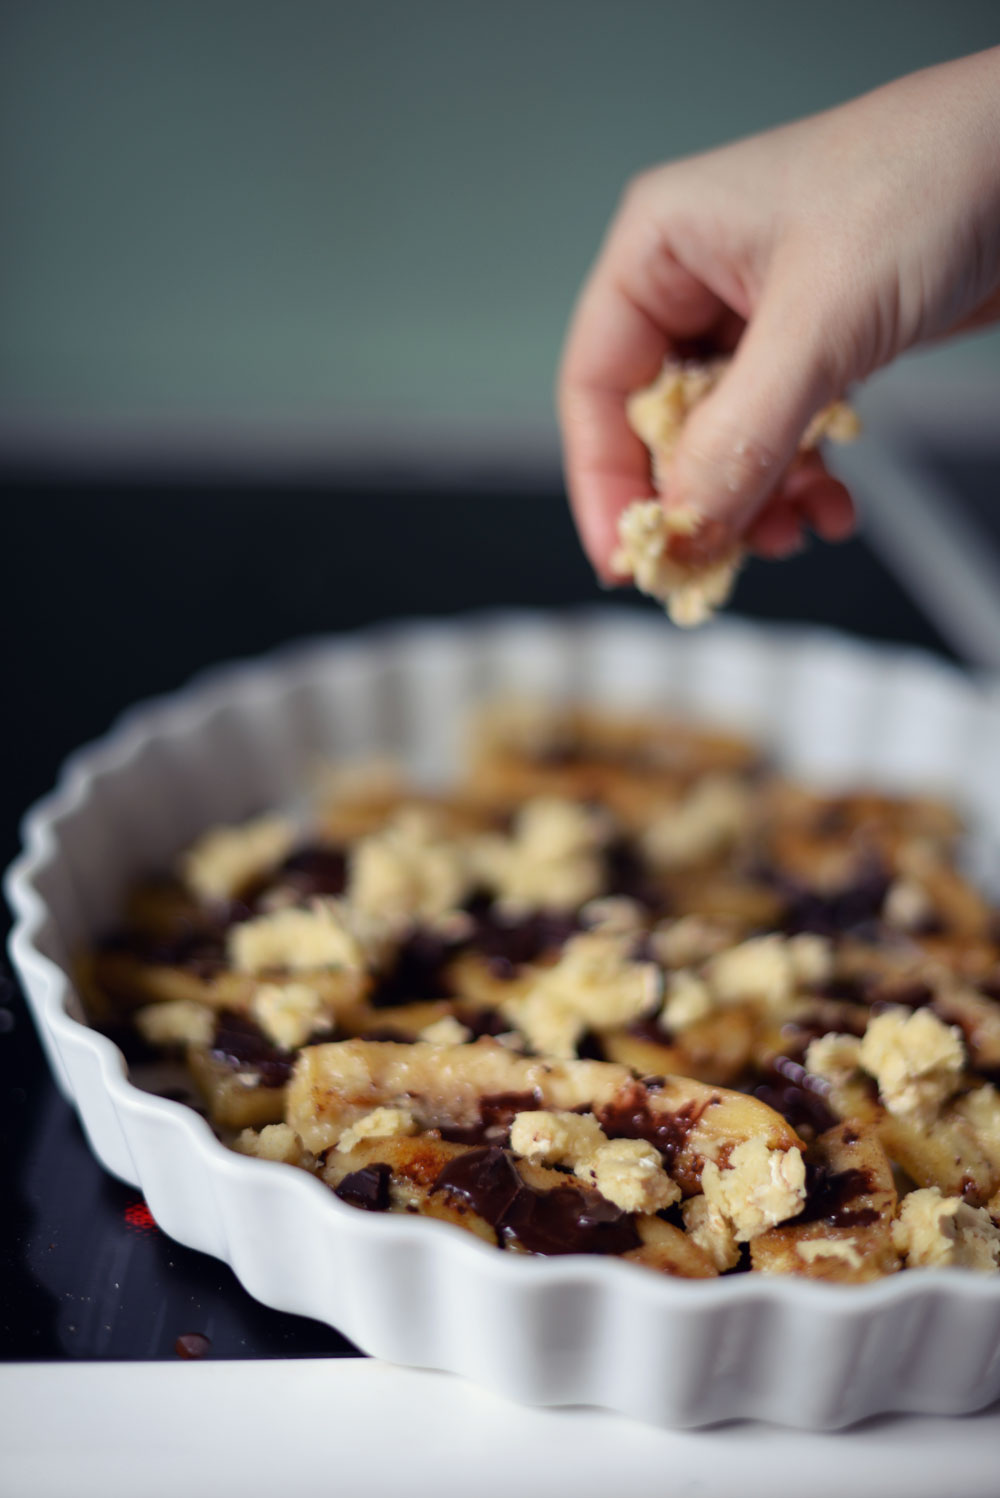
[544, 1330]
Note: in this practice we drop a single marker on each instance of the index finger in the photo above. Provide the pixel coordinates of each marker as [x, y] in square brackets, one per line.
[637, 302]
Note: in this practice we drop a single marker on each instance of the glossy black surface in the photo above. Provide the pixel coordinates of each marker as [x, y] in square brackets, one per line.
[112, 593]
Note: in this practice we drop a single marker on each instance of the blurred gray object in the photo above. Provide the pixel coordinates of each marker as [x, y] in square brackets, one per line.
[312, 232]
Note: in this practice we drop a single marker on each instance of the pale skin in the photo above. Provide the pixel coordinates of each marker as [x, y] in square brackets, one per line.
[819, 251]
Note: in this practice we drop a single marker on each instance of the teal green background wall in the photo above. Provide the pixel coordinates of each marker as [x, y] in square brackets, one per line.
[366, 221]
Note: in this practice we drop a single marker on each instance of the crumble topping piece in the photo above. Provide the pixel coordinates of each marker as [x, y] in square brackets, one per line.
[595, 983]
[408, 871]
[713, 815]
[907, 905]
[769, 969]
[552, 860]
[288, 1013]
[711, 1230]
[224, 860]
[689, 1000]
[616, 914]
[845, 1249]
[935, 1231]
[176, 1022]
[760, 1187]
[981, 1110]
[657, 415]
[274, 1142]
[690, 594]
[915, 1059]
[380, 1123]
[322, 934]
[833, 1057]
[688, 941]
[556, 1138]
[446, 1031]
[627, 1172]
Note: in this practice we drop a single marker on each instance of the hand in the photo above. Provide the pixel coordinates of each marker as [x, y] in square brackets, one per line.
[819, 251]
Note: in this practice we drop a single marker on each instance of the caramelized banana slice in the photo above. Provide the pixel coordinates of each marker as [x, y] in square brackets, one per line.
[452, 1088]
[845, 1230]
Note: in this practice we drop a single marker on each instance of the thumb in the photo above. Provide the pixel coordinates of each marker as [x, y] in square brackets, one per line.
[738, 442]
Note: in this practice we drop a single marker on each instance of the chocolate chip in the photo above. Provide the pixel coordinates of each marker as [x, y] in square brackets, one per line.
[367, 1189]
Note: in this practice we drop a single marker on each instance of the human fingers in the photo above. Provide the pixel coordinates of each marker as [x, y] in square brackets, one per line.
[638, 305]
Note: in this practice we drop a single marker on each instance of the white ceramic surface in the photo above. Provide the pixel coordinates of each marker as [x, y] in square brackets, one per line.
[368, 1430]
[413, 1291]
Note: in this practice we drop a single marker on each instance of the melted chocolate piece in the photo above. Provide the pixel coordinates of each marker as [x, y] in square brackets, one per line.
[566, 1220]
[240, 1044]
[667, 1132]
[829, 1194]
[485, 1178]
[199, 950]
[909, 995]
[508, 945]
[797, 1095]
[629, 876]
[830, 914]
[417, 973]
[496, 1113]
[367, 1189]
[315, 870]
[484, 1022]
[650, 1029]
[589, 1047]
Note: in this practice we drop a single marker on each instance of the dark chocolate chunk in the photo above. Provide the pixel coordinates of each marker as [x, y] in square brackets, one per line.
[367, 1189]
[243, 1046]
[796, 1094]
[507, 945]
[485, 1178]
[829, 1194]
[666, 1132]
[568, 1220]
[496, 1113]
[417, 973]
[316, 870]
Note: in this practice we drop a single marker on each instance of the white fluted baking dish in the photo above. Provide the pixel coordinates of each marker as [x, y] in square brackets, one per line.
[411, 1290]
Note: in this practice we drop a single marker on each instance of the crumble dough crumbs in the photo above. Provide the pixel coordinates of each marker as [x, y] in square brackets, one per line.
[915, 1059]
[594, 983]
[224, 860]
[380, 1123]
[289, 1013]
[833, 1057]
[552, 860]
[657, 415]
[760, 1188]
[408, 871]
[688, 1001]
[711, 1230]
[936, 1231]
[713, 815]
[446, 1031]
[627, 1172]
[323, 934]
[176, 1022]
[273, 1142]
[769, 969]
[830, 1248]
